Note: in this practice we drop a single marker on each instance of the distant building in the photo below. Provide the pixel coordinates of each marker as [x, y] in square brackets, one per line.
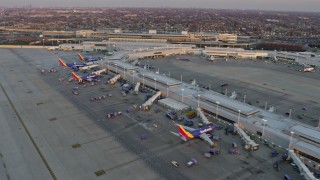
[152, 31]
[228, 38]
[233, 52]
[84, 33]
[184, 32]
[301, 58]
[118, 31]
[59, 34]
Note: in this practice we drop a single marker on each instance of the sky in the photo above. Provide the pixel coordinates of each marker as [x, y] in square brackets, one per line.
[283, 5]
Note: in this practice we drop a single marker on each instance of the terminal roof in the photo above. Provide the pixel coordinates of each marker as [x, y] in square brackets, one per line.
[123, 65]
[229, 103]
[164, 80]
[308, 148]
[306, 132]
[173, 104]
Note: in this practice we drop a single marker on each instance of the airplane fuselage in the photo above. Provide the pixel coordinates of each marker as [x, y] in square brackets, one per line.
[90, 59]
[198, 132]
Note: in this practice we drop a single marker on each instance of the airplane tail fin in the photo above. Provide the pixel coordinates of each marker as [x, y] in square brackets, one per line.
[184, 133]
[76, 77]
[62, 63]
[81, 58]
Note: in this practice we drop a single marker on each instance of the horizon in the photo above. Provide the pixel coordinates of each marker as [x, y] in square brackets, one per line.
[93, 7]
[281, 5]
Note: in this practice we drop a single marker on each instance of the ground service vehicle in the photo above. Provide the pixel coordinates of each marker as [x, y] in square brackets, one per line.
[192, 162]
[175, 163]
[191, 114]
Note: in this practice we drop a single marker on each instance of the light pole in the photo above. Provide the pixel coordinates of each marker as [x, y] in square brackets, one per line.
[290, 110]
[198, 100]
[239, 117]
[143, 80]
[265, 105]
[155, 84]
[182, 95]
[217, 109]
[181, 78]
[290, 139]
[167, 90]
[244, 98]
[108, 65]
[263, 125]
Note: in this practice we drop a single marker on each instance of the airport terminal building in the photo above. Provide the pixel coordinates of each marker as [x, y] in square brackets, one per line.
[263, 126]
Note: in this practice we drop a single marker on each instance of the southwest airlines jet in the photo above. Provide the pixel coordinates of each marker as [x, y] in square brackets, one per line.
[190, 133]
[87, 59]
[74, 66]
[90, 77]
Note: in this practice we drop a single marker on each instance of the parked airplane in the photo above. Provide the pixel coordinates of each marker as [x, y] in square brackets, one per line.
[90, 77]
[74, 66]
[190, 133]
[88, 59]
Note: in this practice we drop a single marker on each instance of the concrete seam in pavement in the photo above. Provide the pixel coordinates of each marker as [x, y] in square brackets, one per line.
[31, 138]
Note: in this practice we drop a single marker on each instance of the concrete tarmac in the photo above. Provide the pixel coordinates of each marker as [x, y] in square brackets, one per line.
[42, 147]
[76, 139]
[257, 82]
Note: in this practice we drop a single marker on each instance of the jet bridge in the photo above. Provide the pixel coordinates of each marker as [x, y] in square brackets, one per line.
[302, 167]
[99, 71]
[203, 117]
[249, 142]
[149, 102]
[114, 79]
[136, 88]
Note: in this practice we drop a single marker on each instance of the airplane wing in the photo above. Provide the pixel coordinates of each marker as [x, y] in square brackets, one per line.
[177, 134]
[174, 133]
[206, 138]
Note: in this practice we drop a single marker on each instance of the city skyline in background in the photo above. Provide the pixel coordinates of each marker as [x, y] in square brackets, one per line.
[276, 5]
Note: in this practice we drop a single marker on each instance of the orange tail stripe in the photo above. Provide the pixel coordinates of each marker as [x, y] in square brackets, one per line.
[62, 63]
[184, 133]
[75, 76]
[80, 57]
